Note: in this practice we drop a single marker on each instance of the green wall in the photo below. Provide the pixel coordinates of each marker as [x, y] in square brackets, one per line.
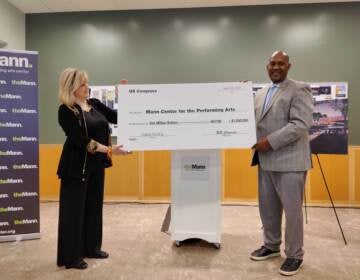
[12, 26]
[196, 45]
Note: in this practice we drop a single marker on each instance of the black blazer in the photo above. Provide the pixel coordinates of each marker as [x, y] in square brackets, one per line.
[74, 154]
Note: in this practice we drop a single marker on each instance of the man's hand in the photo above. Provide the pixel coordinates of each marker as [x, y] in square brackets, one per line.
[262, 145]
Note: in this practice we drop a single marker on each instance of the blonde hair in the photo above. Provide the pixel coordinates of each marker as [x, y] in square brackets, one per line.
[70, 80]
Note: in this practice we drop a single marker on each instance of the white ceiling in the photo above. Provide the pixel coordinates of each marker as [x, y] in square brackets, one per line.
[51, 6]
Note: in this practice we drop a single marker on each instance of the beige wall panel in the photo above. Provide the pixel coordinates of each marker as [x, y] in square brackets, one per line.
[49, 155]
[123, 179]
[335, 168]
[157, 172]
[357, 175]
[240, 179]
[147, 176]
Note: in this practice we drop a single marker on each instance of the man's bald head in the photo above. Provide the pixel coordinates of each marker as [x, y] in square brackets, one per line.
[282, 54]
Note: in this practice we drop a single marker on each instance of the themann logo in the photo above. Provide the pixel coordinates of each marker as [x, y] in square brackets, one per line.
[10, 96]
[3, 139]
[11, 181]
[11, 209]
[4, 224]
[4, 195]
[3, 111]
[24, 194]
[11, 153]
[3, 167]
[24, 139]
[23, 83]
[25, 221]
[24, 166]
[194, 167]
[23, 111]
[10, 124]
[15, 61]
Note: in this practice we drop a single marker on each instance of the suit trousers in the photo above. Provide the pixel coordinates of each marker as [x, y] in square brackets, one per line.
[278, 192]
[80, 217]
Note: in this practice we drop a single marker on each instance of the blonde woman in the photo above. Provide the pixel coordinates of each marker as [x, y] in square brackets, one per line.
[86, 153]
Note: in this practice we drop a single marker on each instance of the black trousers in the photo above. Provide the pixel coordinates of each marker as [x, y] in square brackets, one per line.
[80, 217]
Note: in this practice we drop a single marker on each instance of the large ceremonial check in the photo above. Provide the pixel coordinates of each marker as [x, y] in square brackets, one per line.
[186, 116]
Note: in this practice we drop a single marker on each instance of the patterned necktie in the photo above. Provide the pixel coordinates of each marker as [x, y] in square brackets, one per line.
[269, 96]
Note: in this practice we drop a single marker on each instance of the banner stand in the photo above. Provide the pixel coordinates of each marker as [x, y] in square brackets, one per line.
[195, 196]
[20, 237]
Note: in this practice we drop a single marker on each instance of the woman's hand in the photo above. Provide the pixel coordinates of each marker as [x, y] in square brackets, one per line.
[117, 150]
[100, 148]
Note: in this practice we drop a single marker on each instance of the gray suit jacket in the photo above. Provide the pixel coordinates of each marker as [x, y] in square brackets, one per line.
[285, 123]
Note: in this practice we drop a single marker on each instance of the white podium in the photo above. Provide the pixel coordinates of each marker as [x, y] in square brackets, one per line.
[195, 195]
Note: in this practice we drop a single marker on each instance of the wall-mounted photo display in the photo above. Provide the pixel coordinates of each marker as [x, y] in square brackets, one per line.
[109, 96]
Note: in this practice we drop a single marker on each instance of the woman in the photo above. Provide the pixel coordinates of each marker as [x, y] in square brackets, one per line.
[81, 169]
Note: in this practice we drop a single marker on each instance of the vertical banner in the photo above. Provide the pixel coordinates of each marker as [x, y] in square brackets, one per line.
[19, 146]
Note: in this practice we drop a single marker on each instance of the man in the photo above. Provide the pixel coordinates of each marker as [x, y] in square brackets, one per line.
[283, 113]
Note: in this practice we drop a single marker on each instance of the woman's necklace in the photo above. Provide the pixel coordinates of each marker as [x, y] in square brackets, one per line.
[84, 106]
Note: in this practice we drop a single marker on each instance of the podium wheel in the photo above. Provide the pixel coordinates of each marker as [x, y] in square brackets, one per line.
[217, 245]
[177, 243]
